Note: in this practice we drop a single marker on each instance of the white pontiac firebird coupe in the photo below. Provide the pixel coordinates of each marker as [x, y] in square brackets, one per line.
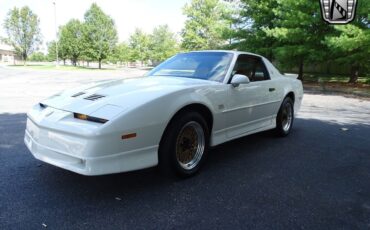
[170, 117]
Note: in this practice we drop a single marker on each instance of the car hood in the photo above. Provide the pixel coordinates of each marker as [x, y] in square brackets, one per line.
[119, 95]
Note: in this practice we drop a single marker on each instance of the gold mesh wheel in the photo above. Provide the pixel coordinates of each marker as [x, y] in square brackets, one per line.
[190, 144]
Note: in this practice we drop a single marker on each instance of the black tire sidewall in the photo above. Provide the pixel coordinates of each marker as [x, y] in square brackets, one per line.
[279, 126]
[167, 149]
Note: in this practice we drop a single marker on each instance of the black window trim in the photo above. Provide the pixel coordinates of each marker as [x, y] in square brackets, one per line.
[255, 57]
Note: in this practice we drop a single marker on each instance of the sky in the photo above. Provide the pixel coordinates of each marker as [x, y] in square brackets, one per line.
[127, 14]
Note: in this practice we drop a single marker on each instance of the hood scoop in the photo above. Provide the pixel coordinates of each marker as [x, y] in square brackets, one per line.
[94, 97]
[78, 94]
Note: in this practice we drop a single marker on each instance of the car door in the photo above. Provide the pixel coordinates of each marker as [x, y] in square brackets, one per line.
[249, 105]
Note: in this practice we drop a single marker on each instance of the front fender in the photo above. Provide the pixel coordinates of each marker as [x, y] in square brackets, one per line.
[149, 120]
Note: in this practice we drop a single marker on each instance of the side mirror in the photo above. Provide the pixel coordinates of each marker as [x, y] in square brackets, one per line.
[239, 79]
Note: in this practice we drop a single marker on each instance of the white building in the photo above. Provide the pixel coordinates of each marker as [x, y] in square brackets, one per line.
[7, 53]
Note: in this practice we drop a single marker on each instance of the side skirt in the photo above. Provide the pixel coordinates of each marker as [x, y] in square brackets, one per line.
[221, 136]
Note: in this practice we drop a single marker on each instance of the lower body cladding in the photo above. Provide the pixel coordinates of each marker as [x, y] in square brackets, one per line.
[85, 154]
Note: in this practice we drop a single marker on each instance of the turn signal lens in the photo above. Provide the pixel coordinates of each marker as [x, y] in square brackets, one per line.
[128, 136]
[81, 116]
[88, 118]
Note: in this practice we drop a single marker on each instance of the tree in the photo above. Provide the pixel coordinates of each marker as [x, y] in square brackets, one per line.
[51, 56]
[71, 41]
[120, 54]
[23, 31]
[100, 34]
[139, 43]
[163, 43]
[351, 48]
[253, 18]
[300, 31]
[351, 43]
[231, 17]
[37, 57]
[205, 25]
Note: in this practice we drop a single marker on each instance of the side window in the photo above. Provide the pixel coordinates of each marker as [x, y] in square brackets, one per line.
[244, 65]
[252, 67]
[260, 73]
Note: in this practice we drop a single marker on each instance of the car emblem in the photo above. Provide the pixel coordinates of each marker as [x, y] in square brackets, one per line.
[338, 11]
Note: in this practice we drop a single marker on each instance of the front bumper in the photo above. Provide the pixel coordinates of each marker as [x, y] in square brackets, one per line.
[82, 154]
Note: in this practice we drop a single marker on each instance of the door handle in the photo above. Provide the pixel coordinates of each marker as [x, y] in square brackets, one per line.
[271, 89]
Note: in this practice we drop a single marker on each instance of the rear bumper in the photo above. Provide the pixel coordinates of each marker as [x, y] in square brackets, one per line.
[76, 153]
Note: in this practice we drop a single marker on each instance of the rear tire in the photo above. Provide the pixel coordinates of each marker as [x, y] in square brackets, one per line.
[184, 145]
[285, 118]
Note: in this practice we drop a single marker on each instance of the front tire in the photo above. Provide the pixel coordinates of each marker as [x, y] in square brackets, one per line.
[184, 145]
[285, 118]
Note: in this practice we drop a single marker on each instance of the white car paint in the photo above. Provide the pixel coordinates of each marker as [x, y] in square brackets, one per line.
[145, 106]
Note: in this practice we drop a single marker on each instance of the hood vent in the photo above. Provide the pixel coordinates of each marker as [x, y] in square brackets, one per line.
[94, 97]
[78, 94]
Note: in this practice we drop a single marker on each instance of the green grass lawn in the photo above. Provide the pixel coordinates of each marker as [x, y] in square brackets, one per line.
[338, 84]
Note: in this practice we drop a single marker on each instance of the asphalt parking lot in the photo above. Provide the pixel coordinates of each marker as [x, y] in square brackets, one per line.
[316, 178]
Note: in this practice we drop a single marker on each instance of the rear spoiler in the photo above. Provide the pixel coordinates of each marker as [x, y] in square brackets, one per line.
[292, 75]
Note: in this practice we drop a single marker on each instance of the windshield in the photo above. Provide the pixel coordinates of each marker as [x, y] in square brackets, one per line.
[200, 65]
